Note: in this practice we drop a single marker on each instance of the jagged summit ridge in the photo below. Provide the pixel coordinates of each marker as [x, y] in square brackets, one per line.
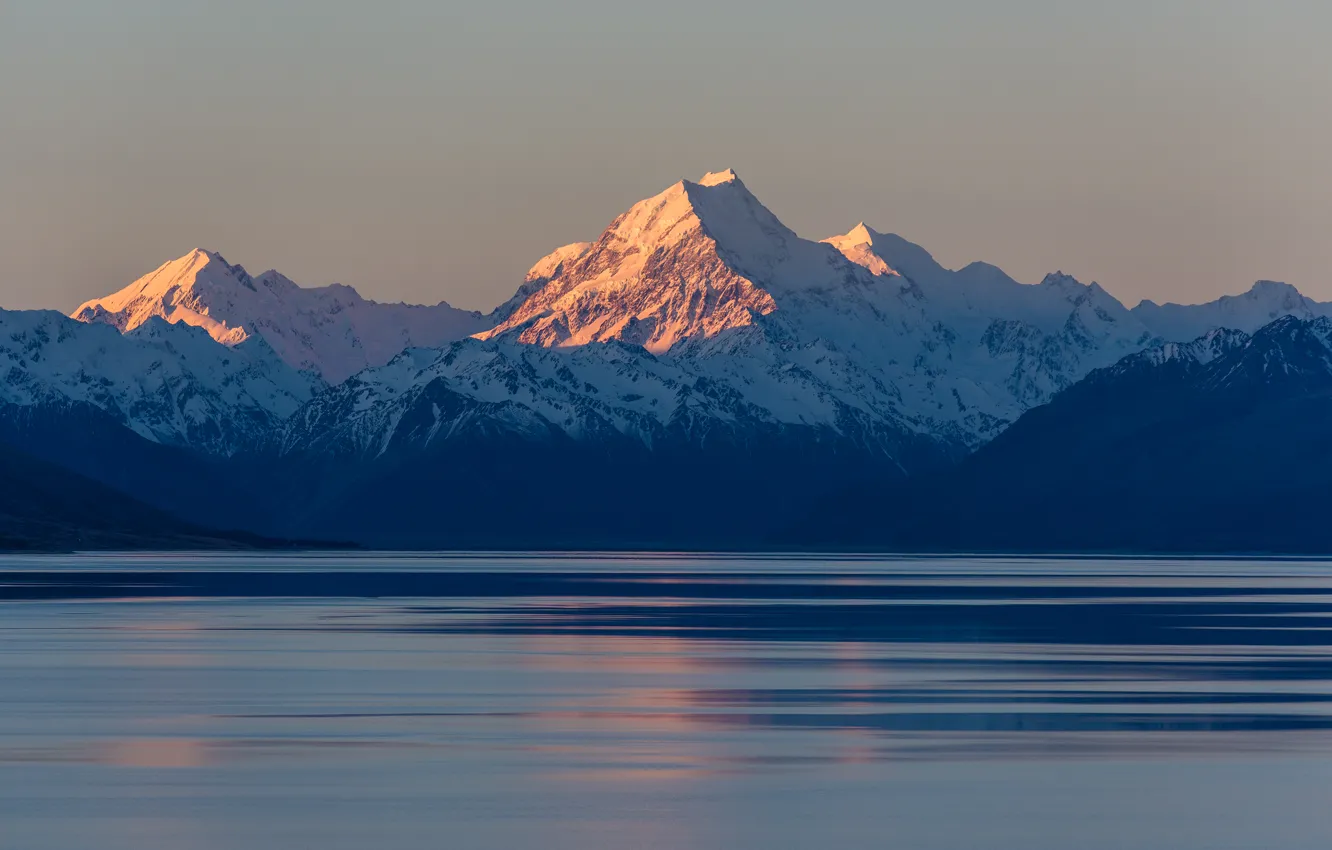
[865, 324]
[705, 272]
[716, 178]
[330, 330]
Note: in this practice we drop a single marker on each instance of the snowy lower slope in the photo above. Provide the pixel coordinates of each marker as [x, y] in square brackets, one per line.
[172, 384]
[597, 392]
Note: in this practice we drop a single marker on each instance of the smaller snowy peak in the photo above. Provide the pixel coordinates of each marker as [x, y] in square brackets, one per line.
[1294, 327]
[888, 253]
[1064, 283]
[167, 292]
[1092, 302]
[330, 330]
[1215, 343]
[1203, 350]
[1262, 304]
[858, 246]
[1289, 354]
[1273, 289]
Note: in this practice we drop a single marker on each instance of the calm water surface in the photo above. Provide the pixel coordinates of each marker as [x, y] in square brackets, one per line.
[663, 702]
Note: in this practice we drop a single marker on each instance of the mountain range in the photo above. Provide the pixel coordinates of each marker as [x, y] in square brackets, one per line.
[1220, 444]
[698, 375]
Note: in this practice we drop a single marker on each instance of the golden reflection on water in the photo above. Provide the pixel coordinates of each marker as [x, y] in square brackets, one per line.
[155, 752]
[566, 722]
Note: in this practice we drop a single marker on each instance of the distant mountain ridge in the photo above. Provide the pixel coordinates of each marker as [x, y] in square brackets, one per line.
[1265, 302]
[867, 321]
[704, 275]
[696, 340]
[1218, 445]
[331, 330]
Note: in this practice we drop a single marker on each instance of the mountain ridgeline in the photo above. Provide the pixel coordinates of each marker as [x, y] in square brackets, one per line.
[1218, 445]
[698, 376]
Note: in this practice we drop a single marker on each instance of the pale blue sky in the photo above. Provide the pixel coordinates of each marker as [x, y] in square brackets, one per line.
[1174, 149]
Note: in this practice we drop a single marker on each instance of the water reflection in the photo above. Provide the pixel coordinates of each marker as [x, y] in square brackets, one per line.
[561, 702]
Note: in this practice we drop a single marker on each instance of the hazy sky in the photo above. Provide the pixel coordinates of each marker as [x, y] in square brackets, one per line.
[421, 150]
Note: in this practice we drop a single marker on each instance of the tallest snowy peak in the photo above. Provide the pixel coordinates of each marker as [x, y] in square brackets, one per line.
[692, 261]
[197, 258]
[718, 210]
[716, 178]
[198, 266]
[861, 234]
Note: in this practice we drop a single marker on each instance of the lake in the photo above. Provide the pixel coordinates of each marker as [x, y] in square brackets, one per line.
[614, 701]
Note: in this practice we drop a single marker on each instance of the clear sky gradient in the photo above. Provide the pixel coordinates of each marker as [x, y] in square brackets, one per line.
[419, 151]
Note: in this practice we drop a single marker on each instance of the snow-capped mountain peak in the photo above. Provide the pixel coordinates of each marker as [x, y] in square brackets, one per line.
[695, 259]
[329, 330]
[861, 234]
[888, 253]
[166, 292]
[1262, 304]
[1063, 282]
[703, 271]
[716, 178]
[862, 333]
[858, 246]
[1199, 352]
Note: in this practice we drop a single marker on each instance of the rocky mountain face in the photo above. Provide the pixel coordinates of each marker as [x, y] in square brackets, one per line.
[331, 330]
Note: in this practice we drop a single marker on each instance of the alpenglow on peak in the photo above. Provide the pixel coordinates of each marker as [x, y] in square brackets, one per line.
[715, 178]
[329, 330]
